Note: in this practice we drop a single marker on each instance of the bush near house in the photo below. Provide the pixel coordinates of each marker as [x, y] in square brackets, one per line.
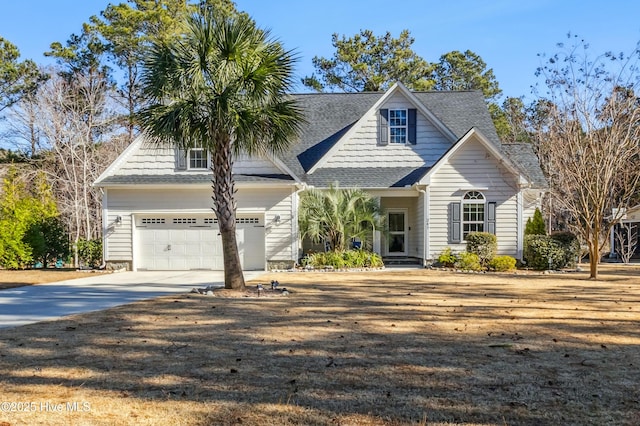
[447, 258]
[471, 261]
[90, 252]
[468, 262]
[344, 259]
[555, 251]
[502, 264]
[482, 244]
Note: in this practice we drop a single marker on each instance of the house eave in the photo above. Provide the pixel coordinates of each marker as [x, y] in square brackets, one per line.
[193, 185]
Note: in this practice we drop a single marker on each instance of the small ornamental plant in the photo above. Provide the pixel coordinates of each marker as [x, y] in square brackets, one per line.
[468, 262]
[502, 264]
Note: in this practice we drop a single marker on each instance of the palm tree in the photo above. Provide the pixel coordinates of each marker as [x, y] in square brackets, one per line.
[222, 86]
[337, 215]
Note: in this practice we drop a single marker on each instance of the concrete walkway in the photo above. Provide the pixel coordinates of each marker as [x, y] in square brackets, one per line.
[29, 304]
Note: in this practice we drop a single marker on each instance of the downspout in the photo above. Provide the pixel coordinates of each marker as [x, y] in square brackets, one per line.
[295, 231]
[425, 223]
[105, 216]
[520, 230]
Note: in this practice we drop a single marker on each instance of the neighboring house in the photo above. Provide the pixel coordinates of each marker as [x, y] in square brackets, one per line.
[433, 159]
[624, 235]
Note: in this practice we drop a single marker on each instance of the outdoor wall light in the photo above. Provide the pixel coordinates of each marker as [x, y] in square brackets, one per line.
[118, 220]
[276, 219]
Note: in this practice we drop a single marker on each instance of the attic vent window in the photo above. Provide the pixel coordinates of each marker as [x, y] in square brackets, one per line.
[198, 159]
[398, 126]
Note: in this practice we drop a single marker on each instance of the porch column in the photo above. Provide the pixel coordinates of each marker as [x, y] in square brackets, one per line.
[612, 243]
[520, 218]
[376, 242]
[427, 213]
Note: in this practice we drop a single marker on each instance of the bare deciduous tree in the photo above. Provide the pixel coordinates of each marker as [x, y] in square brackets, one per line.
[73, 147]
[588, 140]
[626, 236]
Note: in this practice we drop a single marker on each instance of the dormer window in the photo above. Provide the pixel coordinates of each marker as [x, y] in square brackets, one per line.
[198, 159]
[398, 126]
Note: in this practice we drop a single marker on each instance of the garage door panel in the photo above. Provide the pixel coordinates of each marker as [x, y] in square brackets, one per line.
[193, 242]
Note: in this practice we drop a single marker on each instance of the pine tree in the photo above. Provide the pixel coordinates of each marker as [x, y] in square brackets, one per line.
[535, 225]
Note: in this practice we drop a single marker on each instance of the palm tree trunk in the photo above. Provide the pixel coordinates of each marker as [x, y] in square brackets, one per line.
[225, 208]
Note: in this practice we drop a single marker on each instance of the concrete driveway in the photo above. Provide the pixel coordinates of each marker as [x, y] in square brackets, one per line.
[29, 304]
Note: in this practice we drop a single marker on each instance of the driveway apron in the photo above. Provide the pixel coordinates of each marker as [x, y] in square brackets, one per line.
[43, 302]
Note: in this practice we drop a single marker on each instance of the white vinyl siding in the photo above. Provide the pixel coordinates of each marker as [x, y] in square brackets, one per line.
[431, 144]
[473, 168]
[150, 160]
[530, 200]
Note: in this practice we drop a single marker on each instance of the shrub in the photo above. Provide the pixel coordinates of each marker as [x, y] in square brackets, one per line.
[90, 252]
[535, 225]
[447, 258]
[502, 263]
[344, 259]
[570, 245]
[468, 262]
[48, 240]
[482, 244]
[551, 251]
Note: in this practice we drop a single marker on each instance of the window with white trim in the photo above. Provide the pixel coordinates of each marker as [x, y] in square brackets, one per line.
[398, 126]
[198, 159]
[473, 213]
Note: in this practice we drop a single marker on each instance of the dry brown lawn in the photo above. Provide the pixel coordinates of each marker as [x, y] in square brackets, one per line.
[10, 279]
[373, 348]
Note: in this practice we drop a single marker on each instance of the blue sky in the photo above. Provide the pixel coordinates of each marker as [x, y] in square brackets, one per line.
[507, 34]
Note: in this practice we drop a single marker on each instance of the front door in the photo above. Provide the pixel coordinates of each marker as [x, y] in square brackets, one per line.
[397, 240]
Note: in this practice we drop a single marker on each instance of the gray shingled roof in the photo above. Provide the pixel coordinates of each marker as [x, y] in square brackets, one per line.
[330, 115]
[367, 177]
[525, 158]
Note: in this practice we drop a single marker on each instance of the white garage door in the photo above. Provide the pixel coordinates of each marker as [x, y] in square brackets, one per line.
[192, 242]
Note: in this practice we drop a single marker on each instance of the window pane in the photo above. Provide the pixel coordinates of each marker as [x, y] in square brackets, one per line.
[472, 214]
[396, 222]
[398, 135]
[396, 243]
[398, 117]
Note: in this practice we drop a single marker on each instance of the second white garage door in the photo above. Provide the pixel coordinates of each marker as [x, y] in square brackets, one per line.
[188, 242]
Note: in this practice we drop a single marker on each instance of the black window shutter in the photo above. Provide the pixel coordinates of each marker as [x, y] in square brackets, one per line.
[412, 126]
[181, 159]
[454, 223]
[383, 127]
[491, 218]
